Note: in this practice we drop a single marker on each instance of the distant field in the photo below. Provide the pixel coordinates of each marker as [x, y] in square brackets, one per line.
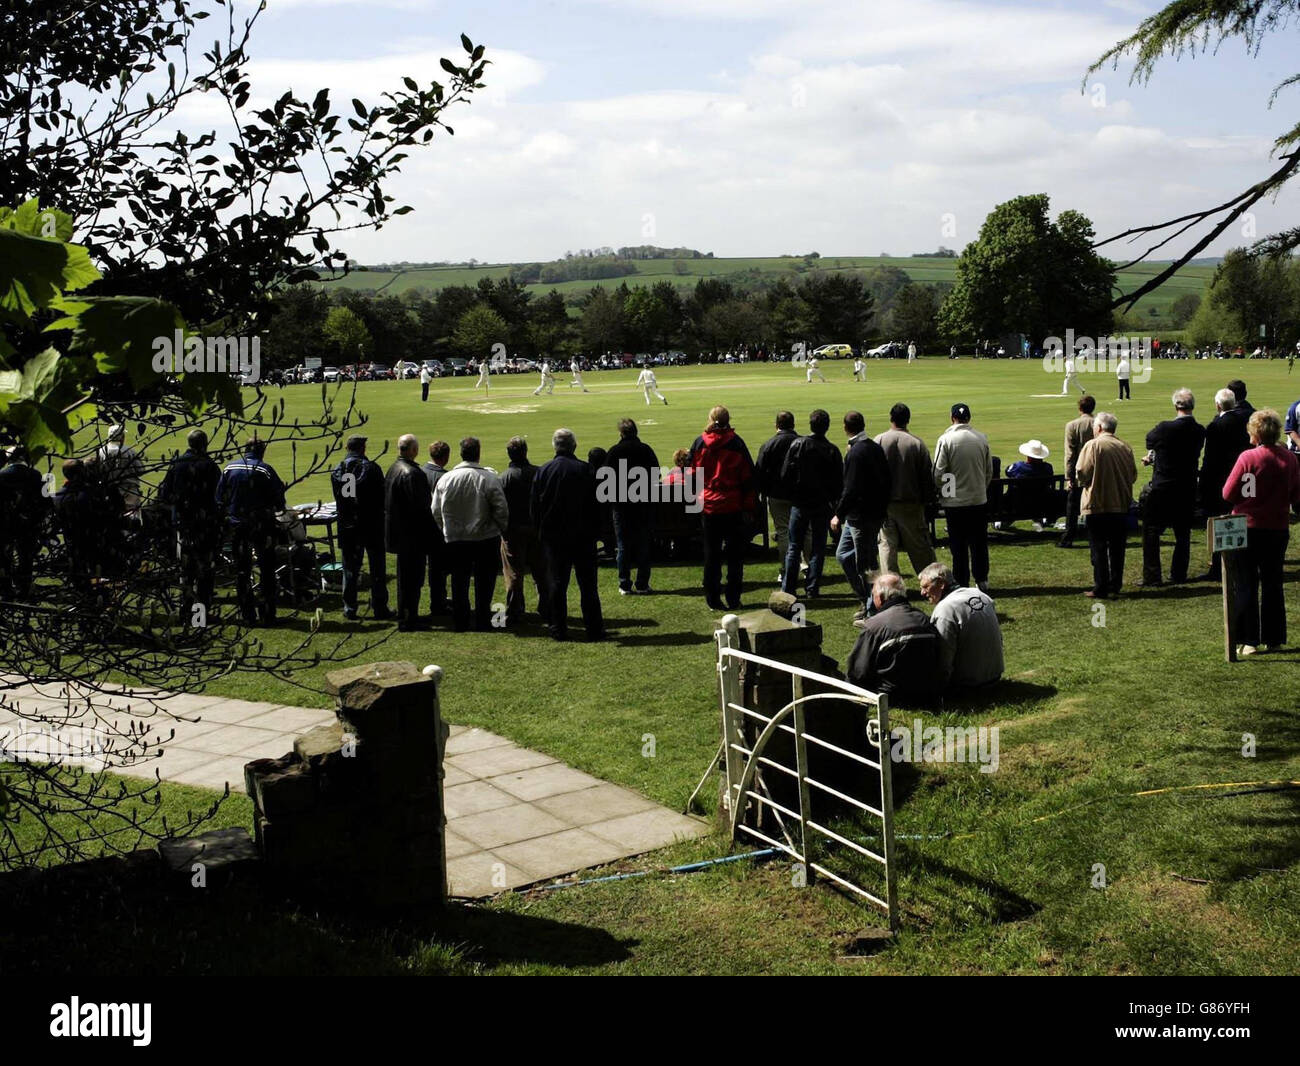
[1191, 278]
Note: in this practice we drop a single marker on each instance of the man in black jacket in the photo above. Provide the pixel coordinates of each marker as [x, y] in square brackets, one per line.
[24, 508]
[521, 552]
[814, 470]
[1174, 446]
[189, 490]
[359, 501]
[861, 508]
[636, 470]
[408, 528]
[563, 509]
[1225, 439]
[251, 494]
[439, 567]
[767, 474]
[899, 650]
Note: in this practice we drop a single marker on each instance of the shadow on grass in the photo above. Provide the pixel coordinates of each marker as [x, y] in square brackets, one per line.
[504, 937]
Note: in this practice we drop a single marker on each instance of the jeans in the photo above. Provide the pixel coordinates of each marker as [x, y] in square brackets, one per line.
[632, 534]
[805, 522]
[968, 540]
[477, 561]
[198, 553]
[857, 551]
[355, 546]
[725, 538]
[1107, 542]
[1257, 570]
[561, 559]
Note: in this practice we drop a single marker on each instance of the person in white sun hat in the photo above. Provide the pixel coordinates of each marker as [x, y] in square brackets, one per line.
[1034, 493]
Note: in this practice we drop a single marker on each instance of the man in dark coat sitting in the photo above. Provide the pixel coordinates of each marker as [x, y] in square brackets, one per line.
[899, 651]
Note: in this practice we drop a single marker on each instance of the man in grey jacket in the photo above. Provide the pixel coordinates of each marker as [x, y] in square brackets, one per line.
[963, 469]
[469, 506]
[967, 621]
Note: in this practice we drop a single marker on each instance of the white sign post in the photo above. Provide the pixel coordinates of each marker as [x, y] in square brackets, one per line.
[1225, 534]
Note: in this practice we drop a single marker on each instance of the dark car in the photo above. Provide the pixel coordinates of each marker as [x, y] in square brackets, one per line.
[457, 367]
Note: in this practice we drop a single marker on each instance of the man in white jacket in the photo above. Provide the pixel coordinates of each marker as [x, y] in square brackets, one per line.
[646, 383]
[967, 621]
[576, 368]
[469, 506]
[548, 380]
[963, 469]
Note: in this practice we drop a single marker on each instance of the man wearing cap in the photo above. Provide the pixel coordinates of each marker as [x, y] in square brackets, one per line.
[251, 494]
[425, 377]
[408, 528]
[1077, 433]
[963, 469]
[548, 380]
[359, 501]
[189, 489]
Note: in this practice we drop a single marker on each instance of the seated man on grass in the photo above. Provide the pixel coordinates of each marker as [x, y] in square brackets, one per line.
[899, 651]
[967, 621]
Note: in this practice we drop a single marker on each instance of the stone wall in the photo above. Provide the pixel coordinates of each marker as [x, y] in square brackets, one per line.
[355, 812]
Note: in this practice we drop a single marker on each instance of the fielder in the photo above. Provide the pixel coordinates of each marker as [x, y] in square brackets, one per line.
[812, 369]
[1070, 377]
[576, 367]
[859, 370]
[548, 380]
[911, 351]
[484, 372]
[646, 383]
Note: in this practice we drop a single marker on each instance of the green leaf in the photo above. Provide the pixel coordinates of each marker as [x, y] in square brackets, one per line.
[33, 270]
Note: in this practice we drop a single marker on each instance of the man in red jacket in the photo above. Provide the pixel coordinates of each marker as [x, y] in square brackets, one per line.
[728, 501]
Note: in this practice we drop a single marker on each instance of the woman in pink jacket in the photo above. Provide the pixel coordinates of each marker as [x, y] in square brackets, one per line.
[1262, 486]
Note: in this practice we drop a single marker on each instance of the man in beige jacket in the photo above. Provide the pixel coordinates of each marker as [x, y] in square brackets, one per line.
[1107, 471]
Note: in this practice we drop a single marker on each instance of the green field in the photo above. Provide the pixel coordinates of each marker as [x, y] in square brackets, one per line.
[1192, 278]
[996, 869]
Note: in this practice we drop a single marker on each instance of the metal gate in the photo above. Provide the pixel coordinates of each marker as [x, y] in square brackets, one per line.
[744, 788]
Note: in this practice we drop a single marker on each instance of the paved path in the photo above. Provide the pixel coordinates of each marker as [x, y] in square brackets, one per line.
[514, 816]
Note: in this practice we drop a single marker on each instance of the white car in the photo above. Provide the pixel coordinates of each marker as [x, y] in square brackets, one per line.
[885, 351]
[330, 373]
[407, 370]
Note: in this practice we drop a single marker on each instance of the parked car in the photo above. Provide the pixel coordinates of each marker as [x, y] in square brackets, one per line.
[380, 372]
[434, 367]
[457, 367]
[330, 373]
[888, 350]
[407, 370]
[833, 351]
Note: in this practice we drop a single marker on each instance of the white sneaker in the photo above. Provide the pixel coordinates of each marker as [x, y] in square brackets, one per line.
[1246, 649]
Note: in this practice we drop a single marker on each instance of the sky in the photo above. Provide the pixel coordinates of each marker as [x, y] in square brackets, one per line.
[765, 127]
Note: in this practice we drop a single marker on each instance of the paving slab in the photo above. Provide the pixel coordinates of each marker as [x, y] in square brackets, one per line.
[515, 817]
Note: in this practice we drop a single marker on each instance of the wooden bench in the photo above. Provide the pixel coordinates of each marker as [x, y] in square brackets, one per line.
[1016, 499]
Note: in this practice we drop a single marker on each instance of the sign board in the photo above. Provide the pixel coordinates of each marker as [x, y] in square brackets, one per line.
[1229, 533]
[312, 362]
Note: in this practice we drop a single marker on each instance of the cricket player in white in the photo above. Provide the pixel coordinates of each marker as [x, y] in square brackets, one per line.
[484, 371]
[646, 383]
[911, 351]
[548, 380]
[576, 367]
[859, 370]
[1070, 378]
[1124, 372]
[812, 369]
